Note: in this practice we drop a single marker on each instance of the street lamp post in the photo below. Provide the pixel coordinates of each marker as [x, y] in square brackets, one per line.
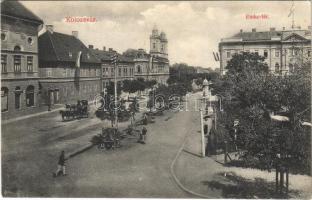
[115, 88]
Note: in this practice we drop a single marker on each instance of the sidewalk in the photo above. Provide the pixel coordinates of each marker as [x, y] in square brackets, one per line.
[57, 108]
[210, 179]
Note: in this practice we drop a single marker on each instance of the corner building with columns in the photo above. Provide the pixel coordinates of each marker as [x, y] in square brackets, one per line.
[283, 50]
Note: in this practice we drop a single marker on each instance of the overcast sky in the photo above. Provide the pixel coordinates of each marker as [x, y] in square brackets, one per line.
[193, 28]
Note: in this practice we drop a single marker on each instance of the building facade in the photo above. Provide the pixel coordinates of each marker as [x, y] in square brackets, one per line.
[68, 70]
[134, 64]
[283, 50]
[125, 66]
[19, 60]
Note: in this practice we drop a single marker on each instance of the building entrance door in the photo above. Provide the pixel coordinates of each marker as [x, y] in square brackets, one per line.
[51, 97]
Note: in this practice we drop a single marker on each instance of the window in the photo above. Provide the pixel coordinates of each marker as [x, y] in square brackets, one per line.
[64, 72]
[17, 48]
[49, 72]
[257, 52]
[18, 92]
[119, 71]
[17, 63]
[4, 99]
[70, 54]
[30, 96]
[139, 70]
[277, 68]
[3, 63]
[125, 72]
[154, 45]
[228, 54]
[30, 40]
[276, 53]
[112, 71]
[265, 53]
[309, 53]
[29, 63]
[291, 68]
[3, 36]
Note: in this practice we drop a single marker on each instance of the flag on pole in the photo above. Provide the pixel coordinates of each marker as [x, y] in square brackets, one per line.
[214, 55]
[114, 59]
[292, 9]
[78, 59]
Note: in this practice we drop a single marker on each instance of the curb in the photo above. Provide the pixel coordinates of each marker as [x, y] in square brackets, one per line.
[177, 180]
[34, 115]
[30, 116]
[80, 150]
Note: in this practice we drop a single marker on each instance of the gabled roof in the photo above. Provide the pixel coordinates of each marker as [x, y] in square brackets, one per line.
[107, 56]
[62, 47]
[301, 36]
[16, 9]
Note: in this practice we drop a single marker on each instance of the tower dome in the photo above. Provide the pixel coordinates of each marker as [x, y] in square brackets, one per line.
[163, 35]
[155, 31]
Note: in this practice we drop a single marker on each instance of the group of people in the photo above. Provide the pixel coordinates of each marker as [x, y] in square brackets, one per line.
[61, 168]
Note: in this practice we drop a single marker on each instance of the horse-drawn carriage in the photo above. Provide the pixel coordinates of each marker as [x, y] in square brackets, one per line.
[108, 139]
[75, 111]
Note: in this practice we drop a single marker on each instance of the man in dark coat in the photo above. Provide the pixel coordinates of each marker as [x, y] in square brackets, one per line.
[61, 165]
[144, 131]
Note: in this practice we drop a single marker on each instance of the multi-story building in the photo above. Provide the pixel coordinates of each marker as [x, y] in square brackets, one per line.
[283, 50]
[19, 60]
[68, 70]
[136, 63]
[125, 65]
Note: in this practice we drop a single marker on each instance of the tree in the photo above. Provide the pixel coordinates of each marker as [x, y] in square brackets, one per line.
[253, 94]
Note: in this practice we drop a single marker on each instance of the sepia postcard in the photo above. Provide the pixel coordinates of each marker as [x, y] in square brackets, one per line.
[156, 99]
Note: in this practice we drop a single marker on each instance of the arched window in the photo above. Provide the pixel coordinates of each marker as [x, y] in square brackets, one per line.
[18, 92]
[139, 70]
[17, 48]
[291, 68]
[30, 96]
[277, 67]
[4, 99]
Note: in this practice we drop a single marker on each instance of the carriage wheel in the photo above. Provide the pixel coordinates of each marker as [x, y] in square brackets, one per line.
[108, 145]
[101, 146]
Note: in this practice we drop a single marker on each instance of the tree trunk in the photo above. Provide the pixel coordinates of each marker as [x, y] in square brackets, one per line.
[276, 180]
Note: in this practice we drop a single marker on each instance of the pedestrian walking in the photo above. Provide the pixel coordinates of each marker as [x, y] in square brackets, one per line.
[61, 165]
[144, 132]
[144, 119]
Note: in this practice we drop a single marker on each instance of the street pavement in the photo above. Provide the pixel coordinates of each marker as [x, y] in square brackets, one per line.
[30, 150]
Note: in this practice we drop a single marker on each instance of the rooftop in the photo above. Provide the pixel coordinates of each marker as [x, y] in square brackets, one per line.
[62, 47]
[270, 35]
[16, 9]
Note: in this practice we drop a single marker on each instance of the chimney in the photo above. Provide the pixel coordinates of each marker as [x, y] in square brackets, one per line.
[284, 28]
[241, 31]
[49, 28]
[90, 46]
[75, 34]
[299, 27]
[272, 29]
[253, 30]
[104, 48]
[110, 49]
